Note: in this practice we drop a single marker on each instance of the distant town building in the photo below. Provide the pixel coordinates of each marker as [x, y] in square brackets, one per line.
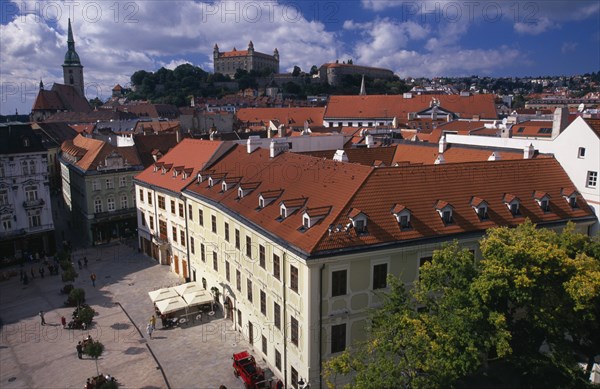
[229, 62]
[26, 226]
[332, 73]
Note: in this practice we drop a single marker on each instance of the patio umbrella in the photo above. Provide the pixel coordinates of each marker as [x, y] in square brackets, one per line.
[162, 294]
[188, 288]
[198, 298]
[171, 305]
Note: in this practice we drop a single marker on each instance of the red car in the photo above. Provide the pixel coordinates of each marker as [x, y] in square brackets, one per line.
[244, 366]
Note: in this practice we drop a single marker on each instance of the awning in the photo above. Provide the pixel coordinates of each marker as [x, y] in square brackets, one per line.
[162, 294]
[190, 287]
[198, 298]
[171, 305]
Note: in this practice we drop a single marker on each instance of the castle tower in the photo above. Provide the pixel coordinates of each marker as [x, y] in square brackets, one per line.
[72, 68]
[276, 54]
[250, 48]
[216, 51]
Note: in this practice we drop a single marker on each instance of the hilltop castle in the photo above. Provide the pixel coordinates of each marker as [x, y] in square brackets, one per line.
[229, 62]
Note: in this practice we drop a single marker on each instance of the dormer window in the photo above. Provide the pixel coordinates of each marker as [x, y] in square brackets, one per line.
[157, 166]
[287, 207]
[402, 215]
[214, 179]
[245, 188]
[445, 210]
[481, 207]
[358, 220]
[570, 195]
[513, 203]
[543, 200]
[224, 186]
[312, 216]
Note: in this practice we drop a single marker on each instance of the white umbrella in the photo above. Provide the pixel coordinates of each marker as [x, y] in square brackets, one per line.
[162, 294]
[171, 305]
[188, 288]
[198, 298]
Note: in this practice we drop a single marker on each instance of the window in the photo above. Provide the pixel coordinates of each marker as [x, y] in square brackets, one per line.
[581, 152]
[4, 197]
[338, 282]
[237, 239]
[226, 231]
[192, 245]
[162, 227]
[447, 217]
[202, 252]
[276, 267]
[190, 214]
[110, 204]
[249, 289]
[249, 247]
[182, 237]
[143, 218]
[6, 224]
[25, 168]
[150, 199]
[277, 315]
[294, 278]
[173, 207]
[109, 183]
[200, 217]
[180, 210]
[213, 220]
[238, 280]
[482, 213]
[338, 338]
[294, 378]
[514, 208]
[124, 202]
[263, 302]
[404, 222]
[151, 222]
[592, 179]
[141, 195]
[174, 230]
[545, 205]
[227, 272]
[35, 219]
[2, 171]
[96, 186]
[122, 181]
[294, 330]
[380, 276]
[277, 359]
[98, 205]
[261, 256]
[161, 202]
[264, 344]
[31, 193]
[215, 261]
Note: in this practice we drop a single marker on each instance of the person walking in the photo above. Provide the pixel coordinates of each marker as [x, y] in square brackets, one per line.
[149, 330]
[63, 321]
[43, 321]
[93, 278]
[79, 264]
[79, 348]
[32, 273]
[153, 322]
[85, 262]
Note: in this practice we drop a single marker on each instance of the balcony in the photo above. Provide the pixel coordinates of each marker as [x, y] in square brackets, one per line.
[33, 203]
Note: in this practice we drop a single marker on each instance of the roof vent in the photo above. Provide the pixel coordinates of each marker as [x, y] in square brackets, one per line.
[340, 156]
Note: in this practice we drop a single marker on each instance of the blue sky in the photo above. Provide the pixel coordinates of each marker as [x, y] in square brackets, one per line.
[413, 38]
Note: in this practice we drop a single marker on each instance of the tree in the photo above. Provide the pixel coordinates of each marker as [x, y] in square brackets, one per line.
[530, 307]
[95, 349]
[314, 70]
[296, 71]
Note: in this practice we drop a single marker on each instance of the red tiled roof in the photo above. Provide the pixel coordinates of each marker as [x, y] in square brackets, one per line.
[388, 106]
[532, 128]
[189, 153]
[48, 100]
[594, 125]
[292, 116]
[418, 187]
[92, 152]
[234, 53]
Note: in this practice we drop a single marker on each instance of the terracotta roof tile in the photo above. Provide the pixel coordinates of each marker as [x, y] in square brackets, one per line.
[594, 125]
[292, 116]
[538, 195]
[189, 153]
[532, 128]
[91, 153]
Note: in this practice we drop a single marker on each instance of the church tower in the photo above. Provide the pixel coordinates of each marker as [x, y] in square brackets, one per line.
[72, 68]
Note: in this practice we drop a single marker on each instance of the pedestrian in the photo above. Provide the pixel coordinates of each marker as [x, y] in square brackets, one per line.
[79, 264]
[149, 330]
[79, 348]
[41, 270]
[153, 322]
[93, 278]
[85, 262]
[63, 321]
[25, 279]
[43, 321]
[32, 273]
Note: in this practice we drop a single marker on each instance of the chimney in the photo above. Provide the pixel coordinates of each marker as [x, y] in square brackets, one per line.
[440, 159]
[528, 152]
[442, 144]
[281, 131]
[253, 143]
[340, 156]
[494, 156]
[369, 141]
[276, 148]
[560, 121]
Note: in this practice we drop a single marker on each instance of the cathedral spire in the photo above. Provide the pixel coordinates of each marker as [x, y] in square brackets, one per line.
[71, 57]
[72, 68]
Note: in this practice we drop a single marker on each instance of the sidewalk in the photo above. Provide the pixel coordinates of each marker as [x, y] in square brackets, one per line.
[35, 356]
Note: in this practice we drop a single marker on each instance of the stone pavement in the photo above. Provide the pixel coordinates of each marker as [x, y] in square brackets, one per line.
[35, 356]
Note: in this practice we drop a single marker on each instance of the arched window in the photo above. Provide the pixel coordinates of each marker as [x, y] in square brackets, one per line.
[110, 204]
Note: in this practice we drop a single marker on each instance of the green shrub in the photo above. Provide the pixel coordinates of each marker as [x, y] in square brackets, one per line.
[69, 275]
[76, 297]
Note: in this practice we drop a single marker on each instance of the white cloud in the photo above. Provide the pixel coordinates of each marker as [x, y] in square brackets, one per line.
[115, 39]
[535, 27]
[568, 47]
